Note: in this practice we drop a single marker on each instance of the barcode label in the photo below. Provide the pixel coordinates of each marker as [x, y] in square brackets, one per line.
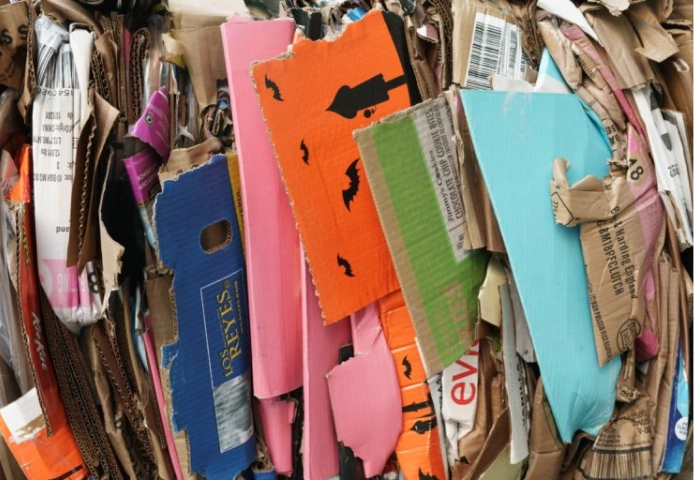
[232, 410]
[495, 49]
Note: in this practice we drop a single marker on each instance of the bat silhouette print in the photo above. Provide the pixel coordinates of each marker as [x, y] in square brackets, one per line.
[408, 367]
[304, 152]
[351, 191]
[423, 426]
[426, 476]
[270, 85]
[341, 262]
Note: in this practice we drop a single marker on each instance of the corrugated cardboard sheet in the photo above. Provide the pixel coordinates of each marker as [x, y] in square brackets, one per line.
[414, 179]
[516, 161]
[272, 243]
[208, 367]
[311, 124]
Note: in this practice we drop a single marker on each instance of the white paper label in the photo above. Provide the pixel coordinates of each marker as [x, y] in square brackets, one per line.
[495, 49]
[21, 417]
[669, 174]
[56, 129]
[435, 130]
[677, 149]
[682, 428]
[232, 412]
[460, 382]
[53, 167]
[516, 385]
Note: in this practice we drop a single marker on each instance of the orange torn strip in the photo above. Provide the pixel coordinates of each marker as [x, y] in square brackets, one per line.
[419, 446]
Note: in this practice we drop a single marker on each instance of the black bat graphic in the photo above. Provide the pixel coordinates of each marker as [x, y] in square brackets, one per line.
[423, 426]
[408, 367]
[353, 175]
[417, 406]
[341, 262]
[426, 476]
[304, 150]
[269, 84]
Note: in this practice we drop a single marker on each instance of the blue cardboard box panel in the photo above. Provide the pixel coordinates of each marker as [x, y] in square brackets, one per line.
[208, 365]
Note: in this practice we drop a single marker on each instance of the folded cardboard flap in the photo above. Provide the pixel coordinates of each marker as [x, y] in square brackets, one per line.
[494, 445]
[207, 69]
[621, 42]
[628, 436]
[546, 448]
[516, 160]
[657, 42]
[474, 227]
[208, 366]
[502, 467]
[182, 159]
[621, 218]
[587, 75]
[105, 116]
[481, 226]
[14, 24]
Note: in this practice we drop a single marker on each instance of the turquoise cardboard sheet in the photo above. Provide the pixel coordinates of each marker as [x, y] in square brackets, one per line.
[516, 138]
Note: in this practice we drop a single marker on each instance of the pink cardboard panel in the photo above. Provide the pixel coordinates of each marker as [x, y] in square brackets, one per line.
[277, 416]
[273, 259]
[365, 396]
[366, 326]
[321, 352]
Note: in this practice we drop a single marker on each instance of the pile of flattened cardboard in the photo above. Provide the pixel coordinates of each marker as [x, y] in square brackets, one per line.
[346, 239]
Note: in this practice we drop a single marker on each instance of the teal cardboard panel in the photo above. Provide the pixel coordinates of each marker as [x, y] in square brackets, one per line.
[516, 138]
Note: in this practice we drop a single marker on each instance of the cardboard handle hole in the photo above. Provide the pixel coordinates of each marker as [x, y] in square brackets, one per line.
[216, 236]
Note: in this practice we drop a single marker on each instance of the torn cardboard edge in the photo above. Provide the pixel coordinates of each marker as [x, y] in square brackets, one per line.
[444, 307]
[209, 279]
[330, 269]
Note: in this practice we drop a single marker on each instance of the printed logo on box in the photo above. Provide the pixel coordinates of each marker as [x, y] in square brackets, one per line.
[226, 336]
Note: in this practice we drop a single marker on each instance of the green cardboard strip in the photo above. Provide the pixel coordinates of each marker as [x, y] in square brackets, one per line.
[411, 167]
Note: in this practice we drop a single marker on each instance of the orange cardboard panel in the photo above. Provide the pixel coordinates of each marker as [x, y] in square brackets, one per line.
[312, 100]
